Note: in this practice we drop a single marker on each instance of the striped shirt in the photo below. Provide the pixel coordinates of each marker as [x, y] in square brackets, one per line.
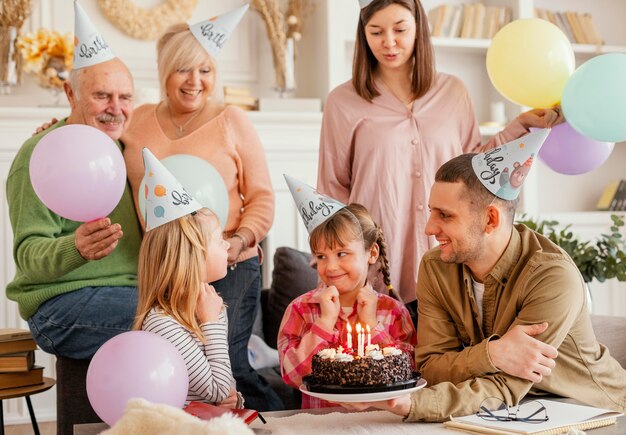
[208, 365]
[299, 337]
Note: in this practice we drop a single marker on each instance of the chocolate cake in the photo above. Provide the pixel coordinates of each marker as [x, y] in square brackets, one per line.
[375, 368]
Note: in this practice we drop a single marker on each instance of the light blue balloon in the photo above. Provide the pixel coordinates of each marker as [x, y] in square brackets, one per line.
[200, 179]
[594, 99]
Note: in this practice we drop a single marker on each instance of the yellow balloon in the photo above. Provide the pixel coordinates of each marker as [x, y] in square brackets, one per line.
[529, 62]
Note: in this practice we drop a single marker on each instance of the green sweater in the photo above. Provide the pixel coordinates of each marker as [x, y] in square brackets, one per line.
[46, 259]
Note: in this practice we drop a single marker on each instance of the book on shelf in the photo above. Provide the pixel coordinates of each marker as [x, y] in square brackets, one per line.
[22, 379]
[562, 417]
[233, 90]
[467, 20]
[613, 197]
[17, 362]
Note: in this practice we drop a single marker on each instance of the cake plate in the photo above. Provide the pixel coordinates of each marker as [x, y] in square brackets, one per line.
[371, 396]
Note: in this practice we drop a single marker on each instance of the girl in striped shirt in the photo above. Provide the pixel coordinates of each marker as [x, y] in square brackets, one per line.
[177, 261]
[345, 245]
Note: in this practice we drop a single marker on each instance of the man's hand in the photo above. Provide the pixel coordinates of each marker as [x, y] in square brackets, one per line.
[97, 239]
[399, 406]
[541, 118]
[517, 353]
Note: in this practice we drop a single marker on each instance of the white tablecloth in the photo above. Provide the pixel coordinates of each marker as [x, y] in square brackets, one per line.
[354, 423]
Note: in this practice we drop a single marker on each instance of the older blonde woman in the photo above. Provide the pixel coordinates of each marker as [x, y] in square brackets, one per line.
[191, 120]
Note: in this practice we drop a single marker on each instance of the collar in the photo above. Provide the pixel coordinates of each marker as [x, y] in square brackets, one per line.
[507, 261]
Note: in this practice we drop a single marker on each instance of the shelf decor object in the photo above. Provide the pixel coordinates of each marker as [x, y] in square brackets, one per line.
[601, 259]
[48, 55]
[284, 30]
[13, 13]
[146, 23]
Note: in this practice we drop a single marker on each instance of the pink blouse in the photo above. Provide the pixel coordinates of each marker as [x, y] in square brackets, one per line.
[385, 156]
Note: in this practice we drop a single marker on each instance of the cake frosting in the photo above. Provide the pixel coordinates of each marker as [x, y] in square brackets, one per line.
[338, 366]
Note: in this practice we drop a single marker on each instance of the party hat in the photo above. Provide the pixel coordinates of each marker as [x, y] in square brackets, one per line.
[364, 3]
[90, 48]
[503, 170]
[166, 198]
[213, 33]
[314, 207]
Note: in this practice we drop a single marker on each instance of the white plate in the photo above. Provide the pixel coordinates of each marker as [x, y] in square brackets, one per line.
[365, 397]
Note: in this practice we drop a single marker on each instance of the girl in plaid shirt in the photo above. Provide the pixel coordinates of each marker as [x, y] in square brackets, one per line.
[345, 245]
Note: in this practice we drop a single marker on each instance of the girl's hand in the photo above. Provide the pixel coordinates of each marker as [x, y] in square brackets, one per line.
[231, 401]
[330, 306]
[366, 305]
[210, 304]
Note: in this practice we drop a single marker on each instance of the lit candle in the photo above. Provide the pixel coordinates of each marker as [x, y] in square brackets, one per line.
[359, 339]
[369, 335]
[349, 328]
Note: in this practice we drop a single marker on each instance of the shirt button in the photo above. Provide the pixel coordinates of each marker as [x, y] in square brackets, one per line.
[414, 141]
[420, 207]
[418, 173]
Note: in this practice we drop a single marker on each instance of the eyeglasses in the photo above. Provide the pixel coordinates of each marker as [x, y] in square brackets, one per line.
[494, 409]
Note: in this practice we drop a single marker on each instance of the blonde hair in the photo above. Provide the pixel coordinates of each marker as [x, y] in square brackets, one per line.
[349, 223]
[178, 48]
[172, 262]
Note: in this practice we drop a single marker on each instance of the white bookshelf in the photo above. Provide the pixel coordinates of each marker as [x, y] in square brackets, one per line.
[547, 191]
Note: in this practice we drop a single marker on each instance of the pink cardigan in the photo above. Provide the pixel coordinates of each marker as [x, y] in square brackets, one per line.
[228, 142]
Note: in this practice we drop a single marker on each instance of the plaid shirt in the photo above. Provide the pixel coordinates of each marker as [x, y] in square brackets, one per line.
[299, 337]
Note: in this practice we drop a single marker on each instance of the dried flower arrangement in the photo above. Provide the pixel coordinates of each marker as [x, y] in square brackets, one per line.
[13, 13]
[283, 30]
[49, 55]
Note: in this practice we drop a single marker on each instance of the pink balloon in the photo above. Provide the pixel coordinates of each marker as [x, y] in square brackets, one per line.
[568, 152]
[135, 364]
[78, 172]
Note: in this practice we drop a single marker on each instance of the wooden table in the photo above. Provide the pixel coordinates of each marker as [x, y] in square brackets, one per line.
[25, 392]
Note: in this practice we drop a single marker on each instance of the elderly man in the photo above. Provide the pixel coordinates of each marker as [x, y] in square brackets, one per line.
[486, 278]
[76, 284]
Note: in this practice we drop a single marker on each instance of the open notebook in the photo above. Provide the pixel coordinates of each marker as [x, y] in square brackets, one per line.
[562, 417]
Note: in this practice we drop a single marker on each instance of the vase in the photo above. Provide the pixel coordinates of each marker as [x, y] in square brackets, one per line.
[9, 59]
[284, 70]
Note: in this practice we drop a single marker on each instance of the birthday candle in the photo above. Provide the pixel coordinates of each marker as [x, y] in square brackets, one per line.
[359, 338]
[369, 335]
[349, 328]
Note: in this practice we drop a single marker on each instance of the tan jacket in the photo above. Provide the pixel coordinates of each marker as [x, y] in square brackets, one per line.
[534, 281]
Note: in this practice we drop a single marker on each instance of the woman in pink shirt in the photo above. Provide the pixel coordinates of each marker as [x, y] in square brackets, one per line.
[191, 120]
[386, 132]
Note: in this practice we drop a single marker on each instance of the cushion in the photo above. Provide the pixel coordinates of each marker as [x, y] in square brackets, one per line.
[610, 331]
[292, 276]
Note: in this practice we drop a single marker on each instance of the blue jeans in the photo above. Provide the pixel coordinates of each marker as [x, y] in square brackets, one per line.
[241, 291]
[76, 324]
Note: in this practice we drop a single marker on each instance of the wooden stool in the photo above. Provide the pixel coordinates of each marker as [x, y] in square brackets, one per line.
[26, 392]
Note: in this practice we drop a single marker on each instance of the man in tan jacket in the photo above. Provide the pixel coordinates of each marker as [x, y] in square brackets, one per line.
[487, 277]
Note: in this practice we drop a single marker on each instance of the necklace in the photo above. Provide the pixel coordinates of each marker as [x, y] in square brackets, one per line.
[180, 129]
